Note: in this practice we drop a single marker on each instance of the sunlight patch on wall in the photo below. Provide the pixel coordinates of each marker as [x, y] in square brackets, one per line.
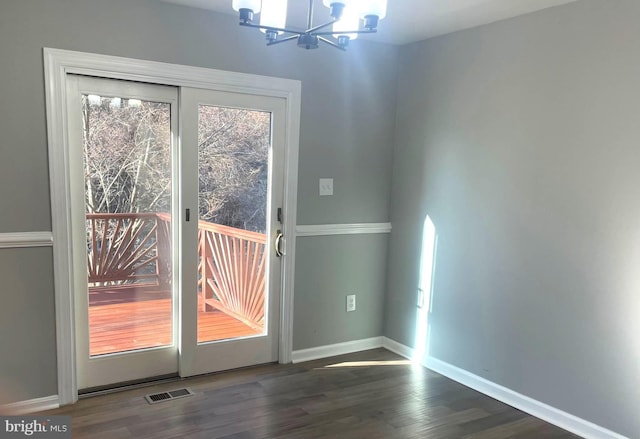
[425, 288]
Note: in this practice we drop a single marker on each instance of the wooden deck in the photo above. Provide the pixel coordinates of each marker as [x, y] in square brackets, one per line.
[128, 319]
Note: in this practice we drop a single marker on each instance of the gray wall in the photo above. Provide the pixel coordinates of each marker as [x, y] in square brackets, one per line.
[521, 140]
[27, 362]
[348, 109]
[327, 281]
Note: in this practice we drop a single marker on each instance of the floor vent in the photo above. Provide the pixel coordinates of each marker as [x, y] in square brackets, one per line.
[166, 396]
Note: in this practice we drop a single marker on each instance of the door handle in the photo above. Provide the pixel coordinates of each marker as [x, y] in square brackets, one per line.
[278, 242]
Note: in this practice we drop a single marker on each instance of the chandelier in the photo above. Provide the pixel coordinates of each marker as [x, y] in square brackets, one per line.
[345, 21]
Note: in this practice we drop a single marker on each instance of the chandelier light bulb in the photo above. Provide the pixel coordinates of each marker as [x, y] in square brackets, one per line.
[371, 11]
[329, 3]
[253, 5]
[274, 14]
[336, 6]
[246, 8]
[374, 7]
[350, 21]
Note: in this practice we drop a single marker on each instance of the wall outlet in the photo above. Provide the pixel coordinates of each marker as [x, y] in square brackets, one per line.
[351, 302]
[326, 186]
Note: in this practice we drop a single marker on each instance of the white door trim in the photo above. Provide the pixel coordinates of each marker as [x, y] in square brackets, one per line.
[57, 64]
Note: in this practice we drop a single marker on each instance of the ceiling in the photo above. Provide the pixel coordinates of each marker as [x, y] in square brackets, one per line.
[411, 20]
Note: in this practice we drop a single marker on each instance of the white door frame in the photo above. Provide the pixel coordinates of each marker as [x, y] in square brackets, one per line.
[57, 64]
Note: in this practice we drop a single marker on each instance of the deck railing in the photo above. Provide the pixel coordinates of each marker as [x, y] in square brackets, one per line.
[134, 249]
[232, 271]
[122, 249]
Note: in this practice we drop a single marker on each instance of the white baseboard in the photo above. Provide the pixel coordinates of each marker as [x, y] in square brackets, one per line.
[540, 410]
[397, 348]
[332, 350]
[30, 406]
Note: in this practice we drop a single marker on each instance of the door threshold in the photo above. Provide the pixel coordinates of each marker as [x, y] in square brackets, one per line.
[127, 385]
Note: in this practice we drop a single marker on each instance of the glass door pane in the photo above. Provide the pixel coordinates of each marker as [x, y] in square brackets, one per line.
[128, 183]
[233, 172]
[232, 161]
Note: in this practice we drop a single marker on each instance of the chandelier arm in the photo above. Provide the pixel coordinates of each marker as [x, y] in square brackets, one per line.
[312, 30]
[360, 31]
[310, 14]
[283, 40]
[331, 43]
[277, 29]
[310, 37]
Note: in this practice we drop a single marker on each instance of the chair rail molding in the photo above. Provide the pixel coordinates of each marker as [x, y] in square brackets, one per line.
[26, 239]
[342, 229]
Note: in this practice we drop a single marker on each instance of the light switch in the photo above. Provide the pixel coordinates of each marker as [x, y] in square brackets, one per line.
[351, 302]
[326, 186]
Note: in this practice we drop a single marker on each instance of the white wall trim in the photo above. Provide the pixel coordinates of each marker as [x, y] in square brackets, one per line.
[26, 239]
[397, 348]
[57, 64]
[30, 406]
[342, 229]
[332, 350]
[290, 209]
[522, 402]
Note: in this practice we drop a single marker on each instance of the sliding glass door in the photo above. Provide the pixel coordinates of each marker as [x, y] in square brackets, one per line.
[174, 237]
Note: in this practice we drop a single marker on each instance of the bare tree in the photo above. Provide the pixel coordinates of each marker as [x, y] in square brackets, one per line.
[127, 155]
[233, 166]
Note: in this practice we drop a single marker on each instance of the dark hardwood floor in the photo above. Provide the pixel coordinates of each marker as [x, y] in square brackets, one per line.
[372, 394]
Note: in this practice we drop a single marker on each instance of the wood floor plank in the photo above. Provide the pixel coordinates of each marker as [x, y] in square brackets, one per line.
[371, 394]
